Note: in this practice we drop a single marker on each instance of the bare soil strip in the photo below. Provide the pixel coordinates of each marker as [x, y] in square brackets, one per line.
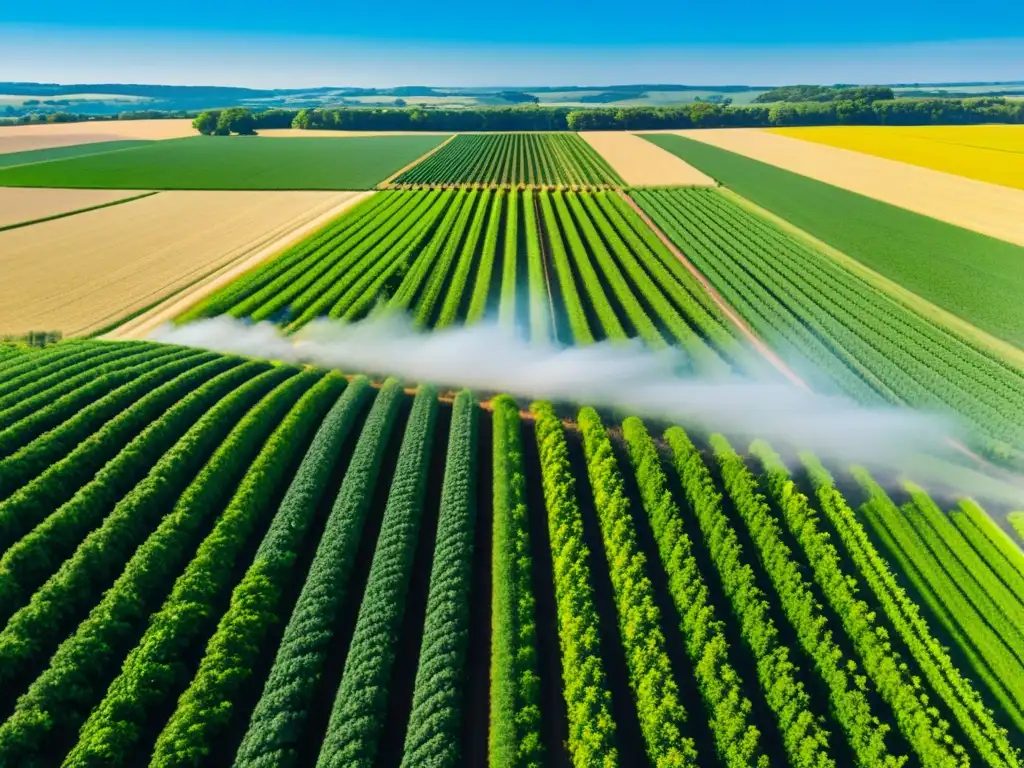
[20, 205]
[991, 209]
[388, 181]
[143, 325]
[82, 273]
[21, 138]
[643, 164]
[728, 311]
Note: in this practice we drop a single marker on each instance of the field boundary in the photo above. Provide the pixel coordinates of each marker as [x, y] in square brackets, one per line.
[983, 341]
[387, 183]
[164, 311]
[65, 214]
[722, 304]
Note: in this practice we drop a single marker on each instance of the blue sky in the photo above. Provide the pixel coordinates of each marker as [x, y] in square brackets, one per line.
[289, 44]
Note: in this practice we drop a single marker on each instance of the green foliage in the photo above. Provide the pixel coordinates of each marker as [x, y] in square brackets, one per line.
[1016, 520]
[206, 122]
[84, 663]
[805, 93]
[360, 707]
[234, 120]
[276, 727]
[591, 739]
[922, 726]
[537, 282]
[155, 669]
[995, 549]
[661, 713]
[805, 739]
[152, 469]
[48, 471]
[60, 153]
[509, 264]
[204, 162]
[435, 723]
[467, 256]
[513, 159]
[969, 274]
[945, 679]
[207, 705]
[865, 732]
[563, 269]
[482, 286]
[514, 735]
[728, 709]
[439, 268]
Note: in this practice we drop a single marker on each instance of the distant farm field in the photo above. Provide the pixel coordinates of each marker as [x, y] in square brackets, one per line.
[203, 162]
[130, 256]
[20, 138]
[975, 277]
[534, 159]
[63, 153]
[24, 204]
[640, 163]
[992, 153]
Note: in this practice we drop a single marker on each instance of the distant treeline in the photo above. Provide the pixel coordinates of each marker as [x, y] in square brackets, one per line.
[41, 118]
[696, 115]
[803, 93]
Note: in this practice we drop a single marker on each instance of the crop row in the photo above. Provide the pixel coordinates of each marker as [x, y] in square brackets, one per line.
[513, 159]
[214, 590]
[593, 270]
[864, 342]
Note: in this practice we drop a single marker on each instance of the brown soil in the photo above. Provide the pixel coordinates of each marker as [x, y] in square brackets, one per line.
[24, 204]
[81, 273]
[21, 138]
[643, 164]
[164, 312]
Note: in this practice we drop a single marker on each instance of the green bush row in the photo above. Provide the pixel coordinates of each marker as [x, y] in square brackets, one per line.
[360, 706]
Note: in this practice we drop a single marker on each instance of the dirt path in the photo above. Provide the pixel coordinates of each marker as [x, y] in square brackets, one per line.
[142, 326]
[387, 183]
[728, 311]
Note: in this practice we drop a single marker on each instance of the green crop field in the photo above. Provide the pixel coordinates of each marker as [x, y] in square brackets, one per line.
[62, 153]
[976, 277]
[593, 271]
[212, 162]
[214, 560]
[809, 307]
[514, 159]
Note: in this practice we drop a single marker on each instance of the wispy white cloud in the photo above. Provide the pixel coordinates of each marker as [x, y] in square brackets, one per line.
[174, 57]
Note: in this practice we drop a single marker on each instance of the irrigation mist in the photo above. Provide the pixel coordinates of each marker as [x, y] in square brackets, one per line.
[625, 377]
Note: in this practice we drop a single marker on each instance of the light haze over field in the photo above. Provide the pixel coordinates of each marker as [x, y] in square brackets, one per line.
[463, 43]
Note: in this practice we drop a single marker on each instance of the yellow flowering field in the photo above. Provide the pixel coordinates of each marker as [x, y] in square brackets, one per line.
[992, 153]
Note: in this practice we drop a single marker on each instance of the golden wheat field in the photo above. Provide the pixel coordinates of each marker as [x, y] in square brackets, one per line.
[992, 153]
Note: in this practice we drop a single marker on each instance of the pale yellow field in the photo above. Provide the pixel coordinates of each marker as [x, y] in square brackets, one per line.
[991, 209]
[82, 273]
[20, 204]
[643, 164]
[21, 138]
[992, 153]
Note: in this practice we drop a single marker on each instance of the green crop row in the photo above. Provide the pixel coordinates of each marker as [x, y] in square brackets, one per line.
[804, 737]
[154, 670]
[585, 687]
[662, 715]
[925, 731]
[866, 343]
[59, 699]
[435, 723]
[938, 669]
[205, 708]
[954, 605]
[276, 726]
[514, 159]
[360, 706]
[729, 710]
[514, 737]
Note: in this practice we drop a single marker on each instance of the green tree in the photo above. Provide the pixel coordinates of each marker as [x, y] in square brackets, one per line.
[205, 122]
[238, 120]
